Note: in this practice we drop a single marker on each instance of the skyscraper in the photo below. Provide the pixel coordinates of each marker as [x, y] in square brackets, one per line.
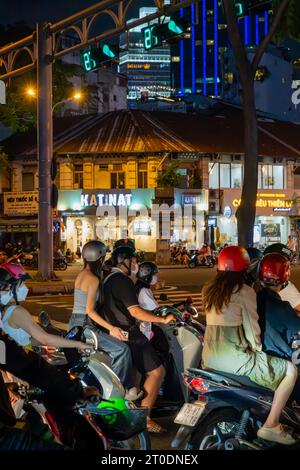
[148, 72]
[196, 61]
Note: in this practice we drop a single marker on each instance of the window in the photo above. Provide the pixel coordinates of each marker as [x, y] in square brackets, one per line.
[142, 175]
[270, 177]
[103, 167]
[117, 180]
[27, 182]
[78, 176]
[225, 175]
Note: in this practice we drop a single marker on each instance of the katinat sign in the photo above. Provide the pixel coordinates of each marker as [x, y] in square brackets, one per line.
[21, 203]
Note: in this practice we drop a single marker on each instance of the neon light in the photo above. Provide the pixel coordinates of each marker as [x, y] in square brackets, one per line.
[246, 30]
[193, 48]
[181, 60]
[216, 46]
[204, 39]
[256, 30]
[266, 22]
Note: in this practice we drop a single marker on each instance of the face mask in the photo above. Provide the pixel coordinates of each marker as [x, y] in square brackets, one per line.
[154, 280]
[22, 292]
[135, 270]
[5, 297]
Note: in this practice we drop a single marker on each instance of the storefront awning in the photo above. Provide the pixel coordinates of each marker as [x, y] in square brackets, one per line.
[18, 225]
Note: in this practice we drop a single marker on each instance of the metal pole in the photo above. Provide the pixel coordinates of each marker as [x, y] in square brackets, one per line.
[45, 149]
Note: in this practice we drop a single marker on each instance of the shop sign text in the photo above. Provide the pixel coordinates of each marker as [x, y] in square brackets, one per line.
[268, 203]
[100, 199]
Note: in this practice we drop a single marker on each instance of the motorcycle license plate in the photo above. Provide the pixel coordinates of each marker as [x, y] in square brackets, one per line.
[190, 414]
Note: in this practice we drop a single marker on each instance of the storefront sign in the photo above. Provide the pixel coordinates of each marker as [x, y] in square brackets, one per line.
[142, 228]
[282, 209]
[267, 201]
[21, 203]
[100, 199]
[19, 228]
[212, 221]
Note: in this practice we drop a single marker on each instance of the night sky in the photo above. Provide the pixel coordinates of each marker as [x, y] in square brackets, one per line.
[32, 11]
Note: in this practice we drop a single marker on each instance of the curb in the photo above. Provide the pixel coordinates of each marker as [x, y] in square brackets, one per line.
[36, 289]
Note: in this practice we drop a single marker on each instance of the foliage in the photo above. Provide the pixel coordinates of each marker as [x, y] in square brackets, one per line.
[20, 110]
[290, 22]
[169, 177]
[3, 161]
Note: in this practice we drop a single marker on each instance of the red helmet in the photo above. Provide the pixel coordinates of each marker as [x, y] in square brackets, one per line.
[16, 271]
[233, 258]
[274, 269]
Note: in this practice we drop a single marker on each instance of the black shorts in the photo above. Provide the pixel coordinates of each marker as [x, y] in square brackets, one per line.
[144, 356]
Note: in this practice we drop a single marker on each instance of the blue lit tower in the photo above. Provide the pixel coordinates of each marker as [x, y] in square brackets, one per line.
[196, 60]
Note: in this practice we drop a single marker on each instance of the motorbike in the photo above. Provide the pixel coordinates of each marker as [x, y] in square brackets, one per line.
[209, 262]
[224, 412]
[92, 372]
[105, 425]
[60, 263]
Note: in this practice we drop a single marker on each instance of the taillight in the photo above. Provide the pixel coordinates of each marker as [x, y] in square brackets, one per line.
[196, 385]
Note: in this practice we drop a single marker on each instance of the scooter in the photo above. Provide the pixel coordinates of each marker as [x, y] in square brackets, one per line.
[224, 412]
[130, 432]
[209, 262]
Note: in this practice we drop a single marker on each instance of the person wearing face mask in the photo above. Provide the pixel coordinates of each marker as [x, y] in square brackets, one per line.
[146, 277]
[122, 309]
[16, 320]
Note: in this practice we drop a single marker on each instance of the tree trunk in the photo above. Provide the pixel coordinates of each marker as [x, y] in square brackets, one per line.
[246, 212]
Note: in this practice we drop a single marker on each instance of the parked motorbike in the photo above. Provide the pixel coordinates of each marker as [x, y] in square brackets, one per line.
[224, 412]
[60, 263]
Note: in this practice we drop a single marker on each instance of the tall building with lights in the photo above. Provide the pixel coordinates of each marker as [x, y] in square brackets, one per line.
[148, 72]
[197, 60]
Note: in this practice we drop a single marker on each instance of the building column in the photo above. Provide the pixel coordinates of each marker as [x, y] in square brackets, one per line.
[16, 178]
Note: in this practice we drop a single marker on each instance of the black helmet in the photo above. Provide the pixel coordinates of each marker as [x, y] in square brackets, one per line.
[279, 248]
[255, 256]
[146, 271]
[5, 278]
[121, 253]
[122, 242]
[93, 251]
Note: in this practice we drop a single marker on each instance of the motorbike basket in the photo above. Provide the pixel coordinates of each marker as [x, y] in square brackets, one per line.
[121, 425]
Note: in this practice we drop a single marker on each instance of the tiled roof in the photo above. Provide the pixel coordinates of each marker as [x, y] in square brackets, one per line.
[140, 131]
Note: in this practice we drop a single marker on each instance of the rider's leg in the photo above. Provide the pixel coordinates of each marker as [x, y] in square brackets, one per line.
[282, 395]
[120, 355]
[152, 386]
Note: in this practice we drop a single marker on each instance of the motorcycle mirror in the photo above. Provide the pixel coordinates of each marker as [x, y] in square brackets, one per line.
[44, 319]
[90, 338]
[163, 297]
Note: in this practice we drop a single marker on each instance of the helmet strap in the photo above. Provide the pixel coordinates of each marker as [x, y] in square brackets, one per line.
[127, 267]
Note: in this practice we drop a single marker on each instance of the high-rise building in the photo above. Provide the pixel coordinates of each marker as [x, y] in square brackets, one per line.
[196, 61]
[148, 72]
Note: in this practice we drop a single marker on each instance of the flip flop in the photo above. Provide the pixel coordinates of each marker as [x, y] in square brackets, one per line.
[154, 427]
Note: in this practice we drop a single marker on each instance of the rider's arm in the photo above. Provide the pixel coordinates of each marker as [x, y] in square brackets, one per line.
[250, 317]
[92, 293]
[21, 318]
[142, 315]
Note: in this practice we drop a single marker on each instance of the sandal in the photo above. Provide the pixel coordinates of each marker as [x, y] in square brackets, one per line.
[154, 427]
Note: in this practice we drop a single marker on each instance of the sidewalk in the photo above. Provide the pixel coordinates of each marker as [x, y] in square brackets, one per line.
[65, 285]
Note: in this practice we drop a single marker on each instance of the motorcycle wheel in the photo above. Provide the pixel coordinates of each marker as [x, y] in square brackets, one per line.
[192, 264]
[62, 266]
[213, 431]
[140, 441]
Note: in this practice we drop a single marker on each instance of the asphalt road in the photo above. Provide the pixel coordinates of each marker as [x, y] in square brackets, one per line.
[179, 283]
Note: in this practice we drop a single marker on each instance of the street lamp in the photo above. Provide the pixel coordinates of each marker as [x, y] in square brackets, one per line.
[77, 96]
[30, 91]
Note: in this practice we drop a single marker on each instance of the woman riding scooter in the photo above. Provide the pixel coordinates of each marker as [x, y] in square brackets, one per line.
[232, 341]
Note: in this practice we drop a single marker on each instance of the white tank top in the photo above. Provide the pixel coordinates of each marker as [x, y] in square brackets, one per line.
[18, 334]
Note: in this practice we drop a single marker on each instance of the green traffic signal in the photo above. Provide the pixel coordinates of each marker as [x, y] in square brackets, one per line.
[154, 35]
[93, 58]
[175, 28]
[109, 51]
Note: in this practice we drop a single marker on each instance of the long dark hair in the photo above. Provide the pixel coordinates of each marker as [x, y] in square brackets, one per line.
[218, 292]
[95, 267]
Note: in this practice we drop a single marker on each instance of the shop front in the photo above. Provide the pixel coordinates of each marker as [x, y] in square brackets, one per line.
[274, 212]
[113, 214]
[20, 222]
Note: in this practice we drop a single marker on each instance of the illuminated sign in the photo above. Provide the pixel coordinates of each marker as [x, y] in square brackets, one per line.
[100, 199]
[227, 212]
[276, 202]
[139, 66]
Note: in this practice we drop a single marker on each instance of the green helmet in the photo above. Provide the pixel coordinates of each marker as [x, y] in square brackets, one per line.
[114, 407]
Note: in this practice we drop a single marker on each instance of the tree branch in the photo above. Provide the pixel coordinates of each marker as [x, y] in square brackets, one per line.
[239, 50]
[265, 42]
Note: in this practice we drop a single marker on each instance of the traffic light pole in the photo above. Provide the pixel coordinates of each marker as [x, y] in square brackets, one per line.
[45, 149]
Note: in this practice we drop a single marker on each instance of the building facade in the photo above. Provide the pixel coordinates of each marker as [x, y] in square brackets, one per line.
[148, 72]
[196, 61]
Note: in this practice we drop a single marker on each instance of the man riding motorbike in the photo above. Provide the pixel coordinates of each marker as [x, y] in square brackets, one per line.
[204, 253]
[277, 318]
[121, 308]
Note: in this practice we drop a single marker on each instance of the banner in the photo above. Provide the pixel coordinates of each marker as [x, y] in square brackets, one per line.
[21, 203]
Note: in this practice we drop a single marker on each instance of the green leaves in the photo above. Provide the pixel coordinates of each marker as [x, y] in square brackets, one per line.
[169, 177]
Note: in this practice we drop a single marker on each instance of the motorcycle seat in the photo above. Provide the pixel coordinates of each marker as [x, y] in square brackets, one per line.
[230, 379]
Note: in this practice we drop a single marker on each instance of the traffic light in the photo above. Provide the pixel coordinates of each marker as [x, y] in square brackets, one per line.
[240, 8]
[93, 58]
[154, 35]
